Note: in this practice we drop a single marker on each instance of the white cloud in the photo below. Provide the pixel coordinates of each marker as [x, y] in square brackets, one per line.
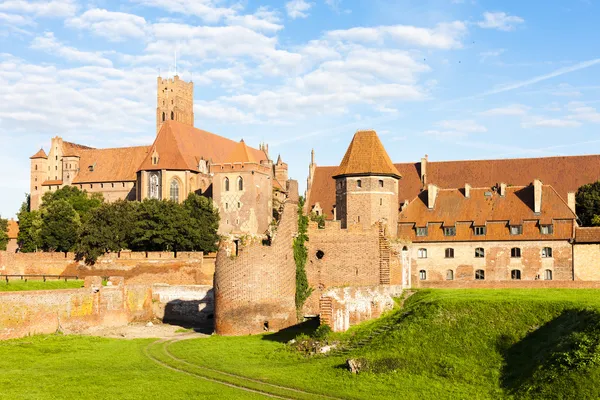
[263, 20]
[543, 122]
[207, 10]
[443, 36]
[15, 19]
[112, 25]
[216, 111]
[298, 8]
[42, 8]
[50, 45]
[581, 112]
[513, 109]
[500, 20]
[463, 126]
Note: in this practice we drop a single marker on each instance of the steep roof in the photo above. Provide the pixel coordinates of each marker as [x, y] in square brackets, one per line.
[73, 149]
[565, 174]
[13, 229]
[587, 235]
[241, 153]
[110, 165]
[484, 205]
[181, 146]
[40, 154]
[366, 156]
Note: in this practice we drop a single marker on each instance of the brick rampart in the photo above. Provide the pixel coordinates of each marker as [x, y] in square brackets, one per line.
[540, 284]
[346, 257]
[193, 304]
[255, 290]
[136, 267]
[73, 310]
[340, 308]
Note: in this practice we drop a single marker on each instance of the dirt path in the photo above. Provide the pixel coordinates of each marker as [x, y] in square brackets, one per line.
[142, 331]
[226, 378]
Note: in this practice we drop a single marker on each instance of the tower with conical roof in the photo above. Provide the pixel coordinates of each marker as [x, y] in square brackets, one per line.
[366, 187]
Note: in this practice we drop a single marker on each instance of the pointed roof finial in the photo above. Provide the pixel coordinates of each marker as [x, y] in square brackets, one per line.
[312, 156]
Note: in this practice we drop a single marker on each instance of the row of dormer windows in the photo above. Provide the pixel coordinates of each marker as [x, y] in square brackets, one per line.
[482, 230]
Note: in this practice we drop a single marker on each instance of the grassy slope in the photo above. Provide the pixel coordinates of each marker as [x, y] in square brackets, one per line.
[19, 285]
[72, 367]
[449, 344]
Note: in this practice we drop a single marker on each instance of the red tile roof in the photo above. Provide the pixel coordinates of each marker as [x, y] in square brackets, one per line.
[565, 174]
[72, 149]
[180, 146]
[40, 154]
[52, 183]
[366, 156]
[110, 165]
[241, 153]
[484, 205]
[587, 235]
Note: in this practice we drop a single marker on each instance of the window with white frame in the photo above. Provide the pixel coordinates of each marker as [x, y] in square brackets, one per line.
[449, 275]
[546, 229]
[421, 231]
[450, 231]
[479, 252]
[516, 229]
[479, 230]
[422, 275]
[422, 253]
[548, 274]
[547, 252]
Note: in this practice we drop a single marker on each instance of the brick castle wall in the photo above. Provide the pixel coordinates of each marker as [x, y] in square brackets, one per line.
[255, 290]
[586, 265]
[192, 304]
[135, 267]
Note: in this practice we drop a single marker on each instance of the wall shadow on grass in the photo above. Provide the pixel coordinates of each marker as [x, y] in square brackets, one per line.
[535, 360]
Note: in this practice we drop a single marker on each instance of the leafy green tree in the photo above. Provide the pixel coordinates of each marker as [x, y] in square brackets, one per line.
[82, 202]
[60, 226]
[108, 229]
[30, 226]
[587, 200]
[3, 233]
[319, 219]
[203, 223]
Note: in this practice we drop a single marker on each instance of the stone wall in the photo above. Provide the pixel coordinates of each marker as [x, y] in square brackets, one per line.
[73, 310]
[135, 267]
[586, 262]
[341, 308]
[540, 284]
[347, 257]
[255, 290]
[497, 262]
[192, 304]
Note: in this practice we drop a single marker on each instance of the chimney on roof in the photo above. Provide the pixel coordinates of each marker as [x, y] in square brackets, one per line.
[537, 196]
[424, 170]
[467, 190]
[432, 192]
[571, 200]
[502, 189]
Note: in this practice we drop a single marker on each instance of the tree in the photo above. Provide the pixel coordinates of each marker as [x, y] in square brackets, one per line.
[60, 226]
[82, 202]
[3, 233]
[203, 223]
[108, 229]
[587, 202]
[30, 225]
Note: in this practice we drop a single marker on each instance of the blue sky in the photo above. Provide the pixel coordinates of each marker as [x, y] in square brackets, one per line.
[454, 79]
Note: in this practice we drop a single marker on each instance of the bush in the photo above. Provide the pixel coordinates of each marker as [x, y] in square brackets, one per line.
[322, 332]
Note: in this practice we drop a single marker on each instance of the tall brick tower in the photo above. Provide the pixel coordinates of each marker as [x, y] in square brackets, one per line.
[175, 101]
[366, 184]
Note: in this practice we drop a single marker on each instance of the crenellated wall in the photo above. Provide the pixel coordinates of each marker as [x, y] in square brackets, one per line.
[255, 290]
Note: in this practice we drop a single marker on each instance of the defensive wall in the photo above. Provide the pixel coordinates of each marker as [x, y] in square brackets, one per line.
[348, 257]
[74, 310]
[341, 308]
[255, 290]
[183, 268]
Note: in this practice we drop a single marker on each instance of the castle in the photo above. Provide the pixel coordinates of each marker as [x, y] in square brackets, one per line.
[242, 181]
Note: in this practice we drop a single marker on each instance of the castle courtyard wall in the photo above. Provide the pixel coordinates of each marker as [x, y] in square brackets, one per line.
[586, 266]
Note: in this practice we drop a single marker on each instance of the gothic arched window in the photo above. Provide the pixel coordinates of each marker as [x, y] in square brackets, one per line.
[153, 189]
[163, 116]
[226, 184]
[240, 183]
[174, 190]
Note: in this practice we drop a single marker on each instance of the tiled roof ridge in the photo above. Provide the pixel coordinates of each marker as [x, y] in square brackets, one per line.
[506, 159]
[78, 146]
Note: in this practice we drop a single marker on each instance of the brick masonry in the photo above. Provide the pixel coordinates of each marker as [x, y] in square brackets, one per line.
[255, 290]
[341, 308]
[193, 304]
[586, 265]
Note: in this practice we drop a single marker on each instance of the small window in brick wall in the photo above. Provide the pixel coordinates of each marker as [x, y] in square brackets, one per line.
[548, 275]
[479, 252]
[547, 252]
[515, 252]
[422, 253]
[422, 275]
[358, 183]
[380, 183]
[449, 253]
[479, 275]
[515, 274]
[449, 275]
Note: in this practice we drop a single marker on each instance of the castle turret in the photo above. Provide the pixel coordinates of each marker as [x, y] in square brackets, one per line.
[367, 184]
[281, 171]
[38, 172]
[175, 101]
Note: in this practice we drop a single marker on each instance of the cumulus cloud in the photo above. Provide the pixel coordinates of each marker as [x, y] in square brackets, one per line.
[114, 26]
[298, 8]
[500, 20]
[582, 112]
[41, 8]
[48, 44]
[207, 10]
[442, 36]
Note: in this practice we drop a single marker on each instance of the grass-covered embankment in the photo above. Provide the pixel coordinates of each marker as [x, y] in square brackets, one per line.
[20, 285]
[443, 344]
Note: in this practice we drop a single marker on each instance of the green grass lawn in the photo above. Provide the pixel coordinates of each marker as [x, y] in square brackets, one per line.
[15, 285]
[445, 344]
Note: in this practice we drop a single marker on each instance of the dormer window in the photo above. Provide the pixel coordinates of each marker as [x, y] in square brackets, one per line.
[546, 229]
[422, 231]
[479, 230]
[91, 168]
[202, 167]
[516, 229]
[449, 231]
[155, 158]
